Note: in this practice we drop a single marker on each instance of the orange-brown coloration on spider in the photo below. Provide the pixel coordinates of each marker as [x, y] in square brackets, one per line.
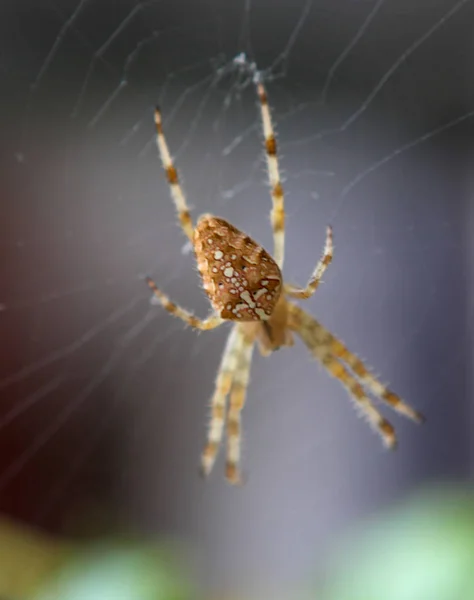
[271, 146]
[172, 175]
[242, 280]
[245, 285]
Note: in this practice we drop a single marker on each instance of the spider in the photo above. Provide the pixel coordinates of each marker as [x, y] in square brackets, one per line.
[245, 285]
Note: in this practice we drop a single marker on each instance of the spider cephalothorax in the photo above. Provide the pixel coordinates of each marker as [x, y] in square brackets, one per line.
[245, 285]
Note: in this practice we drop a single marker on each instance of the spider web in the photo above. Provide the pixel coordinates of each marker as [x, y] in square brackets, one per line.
[104, 395]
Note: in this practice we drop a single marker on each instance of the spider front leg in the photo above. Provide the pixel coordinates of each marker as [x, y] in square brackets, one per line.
[377, 422]
[314, 280]
[236, 404]
[367, 379]
[210, 323]
[310, 332]
[225, 375]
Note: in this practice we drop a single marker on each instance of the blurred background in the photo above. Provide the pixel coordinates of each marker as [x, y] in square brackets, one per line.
[103, 396]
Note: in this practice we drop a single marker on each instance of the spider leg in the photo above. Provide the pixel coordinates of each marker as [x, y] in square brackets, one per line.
[310, 332]
[210, 323]
[371, 383]
[177, 193]
[318, 272]
[224, 378]
[277, 214]
[236, 404]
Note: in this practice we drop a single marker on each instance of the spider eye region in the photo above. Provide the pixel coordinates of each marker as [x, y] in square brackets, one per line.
[241, 279]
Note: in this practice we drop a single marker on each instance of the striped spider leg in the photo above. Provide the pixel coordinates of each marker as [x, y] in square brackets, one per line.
[244, 284]
[334, 355]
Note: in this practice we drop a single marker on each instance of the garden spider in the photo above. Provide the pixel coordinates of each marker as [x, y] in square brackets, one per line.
[245, 285]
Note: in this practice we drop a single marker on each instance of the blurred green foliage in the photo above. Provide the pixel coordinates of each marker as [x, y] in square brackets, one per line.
[422, 550]
[119, 570]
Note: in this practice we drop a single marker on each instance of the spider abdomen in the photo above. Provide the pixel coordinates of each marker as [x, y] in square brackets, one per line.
[242, 280]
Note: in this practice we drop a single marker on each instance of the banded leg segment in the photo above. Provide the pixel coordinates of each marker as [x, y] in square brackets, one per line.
[367, 379]
[309, 331]
[277, 214]
[177, 193]
[225, 376]
[210, 323]
[236, 404]
[314, 280]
